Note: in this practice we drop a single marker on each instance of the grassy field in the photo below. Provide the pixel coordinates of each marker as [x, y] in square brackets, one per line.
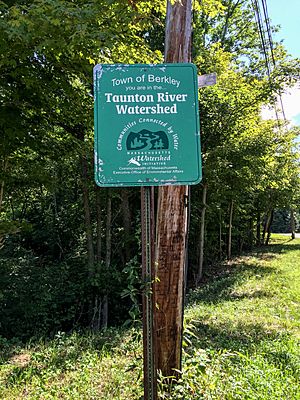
[241, 342]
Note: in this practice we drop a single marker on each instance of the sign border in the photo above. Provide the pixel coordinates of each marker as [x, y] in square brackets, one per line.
[98, 70]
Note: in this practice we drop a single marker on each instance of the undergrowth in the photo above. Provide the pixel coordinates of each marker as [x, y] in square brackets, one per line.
[241, 342]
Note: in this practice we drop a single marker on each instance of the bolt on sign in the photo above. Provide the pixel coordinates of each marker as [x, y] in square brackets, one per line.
[146, 125]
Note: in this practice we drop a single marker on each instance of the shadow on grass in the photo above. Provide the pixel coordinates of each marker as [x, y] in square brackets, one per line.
[258, 339]
[223, 336]
[219, 284]
[59, 354]
[250, 340]
[279, 248]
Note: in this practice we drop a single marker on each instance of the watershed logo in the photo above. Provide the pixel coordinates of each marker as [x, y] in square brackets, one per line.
[133, 161]
[147, 140]
[140, 160]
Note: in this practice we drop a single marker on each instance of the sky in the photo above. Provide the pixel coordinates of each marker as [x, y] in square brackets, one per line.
[287, 15]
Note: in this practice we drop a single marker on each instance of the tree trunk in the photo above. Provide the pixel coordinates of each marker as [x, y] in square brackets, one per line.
[97, 315]
[87, 217]
[266, 226]
[1, 193]
[293, 224]
[250, 233]
[2, 183]
[99, 226]
[96, 320]
[258, 226]
[89, 239]
[270, 220]
[126, 223]
[220, 234]
[171, 233]
[55, 226]
[230, 231]
[202, 231]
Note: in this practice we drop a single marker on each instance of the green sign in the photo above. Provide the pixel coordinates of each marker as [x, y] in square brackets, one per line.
[146, 125]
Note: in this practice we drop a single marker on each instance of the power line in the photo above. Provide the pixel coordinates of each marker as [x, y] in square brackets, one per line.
[265, 33]
[261, 34]
[267, 20]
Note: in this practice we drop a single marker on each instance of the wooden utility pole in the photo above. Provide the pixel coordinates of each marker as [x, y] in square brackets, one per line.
[171, 229]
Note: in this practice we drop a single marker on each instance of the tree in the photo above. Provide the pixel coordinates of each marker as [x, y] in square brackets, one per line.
[48, 50]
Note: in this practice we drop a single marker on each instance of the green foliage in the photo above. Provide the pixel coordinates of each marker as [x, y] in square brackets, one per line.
[241, 342]
[33, 302]
[282, 221]
[247, 162]
[133, 290]
[48, 51]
